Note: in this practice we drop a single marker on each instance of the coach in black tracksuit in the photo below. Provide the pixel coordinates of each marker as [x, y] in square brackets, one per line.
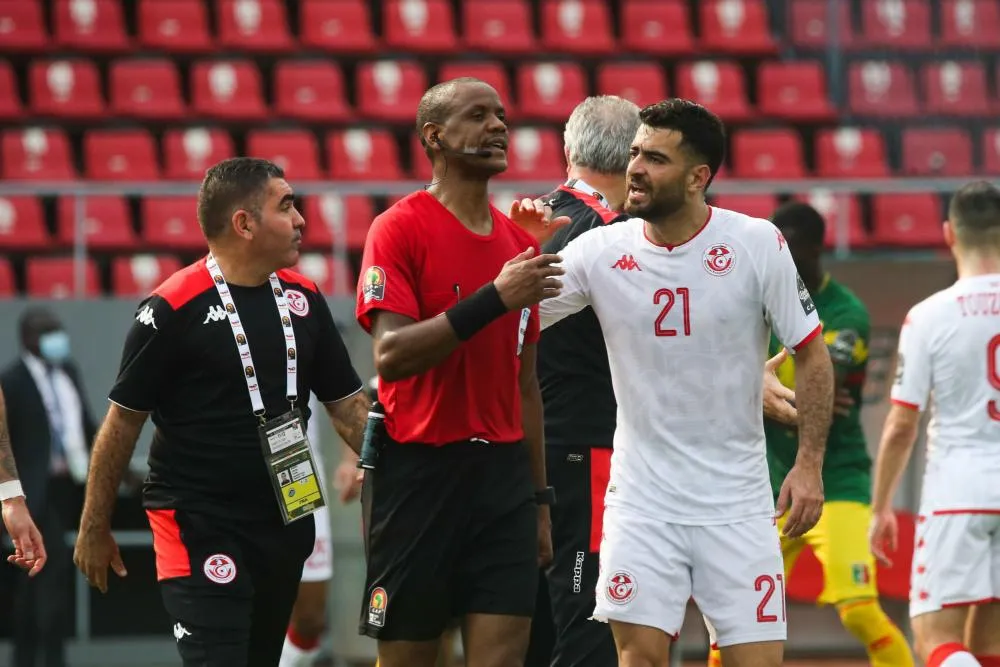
[579, 401]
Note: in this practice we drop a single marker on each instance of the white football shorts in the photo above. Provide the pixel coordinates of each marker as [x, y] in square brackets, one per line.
[649, 569]
[956, 561]
[319, 565]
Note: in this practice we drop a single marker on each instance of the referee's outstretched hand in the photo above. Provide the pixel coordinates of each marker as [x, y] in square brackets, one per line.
[527, 279]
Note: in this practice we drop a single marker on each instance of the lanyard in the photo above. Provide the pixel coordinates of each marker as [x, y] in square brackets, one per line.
[579, 184]
[243, 345]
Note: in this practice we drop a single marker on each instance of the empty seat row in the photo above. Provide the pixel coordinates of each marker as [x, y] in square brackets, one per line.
[135, 276]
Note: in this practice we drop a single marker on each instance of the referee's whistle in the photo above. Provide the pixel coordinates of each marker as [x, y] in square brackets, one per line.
[371, 443]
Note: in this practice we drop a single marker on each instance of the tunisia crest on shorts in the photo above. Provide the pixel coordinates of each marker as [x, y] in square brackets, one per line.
[621, 587]
[719, 259]
[219, 568]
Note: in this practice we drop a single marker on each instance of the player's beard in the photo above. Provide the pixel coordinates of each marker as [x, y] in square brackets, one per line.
[662, 202]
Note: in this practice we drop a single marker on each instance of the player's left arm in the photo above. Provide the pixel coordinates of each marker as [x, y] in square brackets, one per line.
[534, 436]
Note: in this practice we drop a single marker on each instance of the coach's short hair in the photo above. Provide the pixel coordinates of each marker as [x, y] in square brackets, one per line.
[599, 133]
[974, 213]
[703, 133]
[239, 182]
[436, 105]
[803, 218]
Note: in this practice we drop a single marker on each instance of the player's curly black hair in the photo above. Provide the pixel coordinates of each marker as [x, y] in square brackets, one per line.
[807, 222]
[703, 132]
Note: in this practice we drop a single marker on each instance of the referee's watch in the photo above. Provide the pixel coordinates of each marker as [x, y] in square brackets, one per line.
[546, 496]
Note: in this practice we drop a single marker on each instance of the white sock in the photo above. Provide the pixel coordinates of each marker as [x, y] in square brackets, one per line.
[293, 656]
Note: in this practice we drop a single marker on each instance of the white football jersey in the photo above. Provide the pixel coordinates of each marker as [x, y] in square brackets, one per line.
[949, 349]
[687, 330]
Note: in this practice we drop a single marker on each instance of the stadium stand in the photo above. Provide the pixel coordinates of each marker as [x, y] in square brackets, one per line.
[117, 92]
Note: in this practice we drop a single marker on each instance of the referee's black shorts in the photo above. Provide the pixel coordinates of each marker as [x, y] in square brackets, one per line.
[449, 531]
[580, 476]
[229, 585]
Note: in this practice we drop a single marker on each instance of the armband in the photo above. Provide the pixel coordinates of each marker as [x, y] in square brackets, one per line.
[470, 315]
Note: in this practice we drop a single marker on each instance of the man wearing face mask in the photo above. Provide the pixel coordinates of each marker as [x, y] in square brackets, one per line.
[51, 431]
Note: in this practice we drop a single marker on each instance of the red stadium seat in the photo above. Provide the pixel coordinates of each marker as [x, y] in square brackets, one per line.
[179, 26]
[120, 155]
[22, 26]
[419, 26]
[171, 223]
[832, 207]
[36, 154]
[67, 88]
[95, 25]
[498, 26]
[881, 89]
[295, 151]
[389, 90]
[772, 154]
[794, 91]
[491, 72]
[661, 29]
[811, 28]
[849, 152]
[330, 215]
[735, 27]
[938, 151]
[10, 100]
[139, 275]
[577, 26]
[907, 220]
[991, 151]
[187, 154]
[338, 27]
[534, 154]
[311, 91]
[970, 24]
[7, 286]
[897, 25]
[55, 278]
[550, 91]
[642, 82]
[253, 25]
[107, 222]
[149, 89]
[22, 224]
[227, 89]
[757, 206]
[956, 89]
[331, 276]
[363, 155]
[719, 85]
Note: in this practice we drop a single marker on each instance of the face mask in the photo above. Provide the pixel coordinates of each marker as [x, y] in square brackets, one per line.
[54, 346]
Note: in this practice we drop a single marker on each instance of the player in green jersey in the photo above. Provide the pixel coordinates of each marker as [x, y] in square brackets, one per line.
[840, 539]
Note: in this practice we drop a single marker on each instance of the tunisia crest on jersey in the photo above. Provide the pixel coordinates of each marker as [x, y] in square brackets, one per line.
[719, 259]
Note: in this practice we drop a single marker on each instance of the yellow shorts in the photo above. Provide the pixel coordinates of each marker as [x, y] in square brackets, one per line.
[840, 542]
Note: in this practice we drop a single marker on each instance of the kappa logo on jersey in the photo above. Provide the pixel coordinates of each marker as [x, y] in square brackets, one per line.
[627, 263]
[376, 608]
[219, 568]
[297, 302]
[719, 259]
[215, 314]
[145, 316]
[804, 298]
[578, 571]
[180, 632]
[621, 587]
[374, 287]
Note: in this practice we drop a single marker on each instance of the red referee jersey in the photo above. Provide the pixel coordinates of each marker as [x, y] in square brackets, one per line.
[419, 259]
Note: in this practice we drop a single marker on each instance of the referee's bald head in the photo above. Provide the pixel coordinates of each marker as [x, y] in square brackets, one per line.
[437, 104]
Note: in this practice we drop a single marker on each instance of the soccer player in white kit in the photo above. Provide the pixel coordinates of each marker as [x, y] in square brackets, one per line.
[308, 621]
[949, 348]
[686, 295]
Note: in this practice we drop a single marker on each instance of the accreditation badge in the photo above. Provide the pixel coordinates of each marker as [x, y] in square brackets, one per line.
[291, 467]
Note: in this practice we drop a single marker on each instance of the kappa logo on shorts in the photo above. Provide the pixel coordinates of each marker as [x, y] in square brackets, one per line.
[219, 568]
[719, 259]
[374, 287]
[376, 608]
[622, 587]
[297, 302]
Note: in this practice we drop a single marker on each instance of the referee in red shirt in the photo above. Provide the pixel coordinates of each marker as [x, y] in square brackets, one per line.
[457, 507]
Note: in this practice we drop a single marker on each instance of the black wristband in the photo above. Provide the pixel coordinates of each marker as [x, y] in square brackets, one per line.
[470, 315]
